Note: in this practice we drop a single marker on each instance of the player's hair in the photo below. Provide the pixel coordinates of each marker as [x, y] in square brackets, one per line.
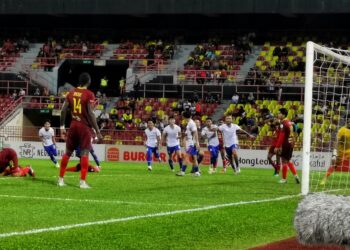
[228, 116]
[283, 111]
[186, 114]
[150, 120]
[171, 117]
[84, 79]
[47, 121]
[209, 119]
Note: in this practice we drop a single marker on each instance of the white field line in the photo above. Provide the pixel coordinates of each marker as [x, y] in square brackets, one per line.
[138, 217]
[90, 200]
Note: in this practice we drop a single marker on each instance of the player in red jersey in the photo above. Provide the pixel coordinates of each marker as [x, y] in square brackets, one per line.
[9, 164]
[80, 102]
[275, 125]
[284, 145]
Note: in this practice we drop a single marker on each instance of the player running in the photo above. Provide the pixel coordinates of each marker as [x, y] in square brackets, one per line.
[210, 132]
[225, 162]
[47, 135]
[229, 132]
[171, 136]
[192, 146]
[80, 102]
[341, 155]
[9, 164]
[284, 145]
[275, 124]
[153, 138]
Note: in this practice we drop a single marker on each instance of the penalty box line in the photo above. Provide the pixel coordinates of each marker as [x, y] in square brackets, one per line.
[138, 217]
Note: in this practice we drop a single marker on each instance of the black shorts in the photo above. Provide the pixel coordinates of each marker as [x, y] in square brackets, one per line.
[287, 151]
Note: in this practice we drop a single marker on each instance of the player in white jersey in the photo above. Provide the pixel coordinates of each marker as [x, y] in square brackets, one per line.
[210, 132]
[229, 133]
[171, 136]
[47, 136]
[153, 138]
[192, 146]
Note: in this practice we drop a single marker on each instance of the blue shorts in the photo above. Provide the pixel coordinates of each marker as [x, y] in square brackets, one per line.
[151, 150]
[214, 150]
[51, 150]
[192, 150]
[171, 150]
[231, 148]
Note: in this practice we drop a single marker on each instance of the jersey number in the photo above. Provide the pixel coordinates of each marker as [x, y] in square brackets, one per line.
[76, 105]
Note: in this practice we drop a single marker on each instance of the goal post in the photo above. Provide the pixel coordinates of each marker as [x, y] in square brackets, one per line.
[326, 78]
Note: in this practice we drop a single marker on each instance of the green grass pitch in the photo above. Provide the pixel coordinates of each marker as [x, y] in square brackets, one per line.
[123, 191]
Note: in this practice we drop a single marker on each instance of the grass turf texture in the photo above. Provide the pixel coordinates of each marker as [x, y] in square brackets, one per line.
[128, 189]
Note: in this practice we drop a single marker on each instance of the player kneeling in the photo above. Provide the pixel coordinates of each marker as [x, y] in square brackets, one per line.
[9, 164]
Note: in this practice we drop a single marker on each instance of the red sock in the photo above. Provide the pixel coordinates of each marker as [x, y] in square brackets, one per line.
[64, 162]
[292, 168]
[330, 171]
[24, 171]
[72, 169]
[284, 171]
[84, 163]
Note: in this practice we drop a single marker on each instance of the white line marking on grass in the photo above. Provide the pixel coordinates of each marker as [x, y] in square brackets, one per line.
[138, 217]
[90, 200]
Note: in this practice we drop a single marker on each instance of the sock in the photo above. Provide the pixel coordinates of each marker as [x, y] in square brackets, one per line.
[284, 171]
[195, 169]
[180, 162]
[230, 158]
[84, 162]
[183, 168]
[225, 162]
[24, 171]
[64, 162]
[236, 161]
[72, 169]
[330, 171]
[149, 163]
[200, 158]
[53, 159]
[171, 164]
[292, 168]
[95, 157]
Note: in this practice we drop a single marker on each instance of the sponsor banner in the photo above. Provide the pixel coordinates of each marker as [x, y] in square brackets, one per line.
[35, 150]
[247, 158]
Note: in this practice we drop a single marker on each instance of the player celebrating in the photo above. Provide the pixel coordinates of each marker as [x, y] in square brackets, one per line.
[210, 132]
[229, 132]
[9, 164]
[192, 146]
[80, 102]
[47, 135]
[171, 135]
[275, 124]
[341, 155]
[284, 145]
[153, 138]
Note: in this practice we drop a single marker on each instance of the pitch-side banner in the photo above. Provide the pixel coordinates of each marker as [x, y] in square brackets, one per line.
[247, 158]
[35, 150]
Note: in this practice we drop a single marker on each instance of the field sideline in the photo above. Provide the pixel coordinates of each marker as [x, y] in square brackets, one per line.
[131, 208]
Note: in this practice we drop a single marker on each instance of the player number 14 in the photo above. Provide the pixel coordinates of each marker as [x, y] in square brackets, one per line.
[77, 105]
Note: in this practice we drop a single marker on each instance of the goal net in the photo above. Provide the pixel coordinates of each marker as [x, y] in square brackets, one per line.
[326, 137]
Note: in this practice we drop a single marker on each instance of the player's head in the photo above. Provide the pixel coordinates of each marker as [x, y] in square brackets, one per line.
[187, 115]
[228, 119]
[150, 124]
[84, 79]
[282, 113]
[172, 120]
[220, 122]
[47, 125]
[209, 121]
[198, 123]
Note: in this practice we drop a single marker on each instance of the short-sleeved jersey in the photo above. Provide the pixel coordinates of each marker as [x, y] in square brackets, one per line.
[6, 156]
[212, 136]
[172, 135]
[152, 135]
[78, 100]
[190, 129]
[284, 133]
[343, 147]
[229, 134]
[46, 136]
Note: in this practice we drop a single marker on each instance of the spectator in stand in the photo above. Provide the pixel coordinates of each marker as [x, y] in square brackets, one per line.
[186, 106]
[201, 78]
[193, 109]
[198, 109]
[137, 86]
[98, 94]
[251, 98]
[37, 92]
[279, 92]
[14, 95]
[104, 117]
[113, 114]
[142, 125]
[127, 117]
[235, 98]
[21, 93]
[223, 76]
[84, 49]
[104, 101]
[154, 117]
[195, 97]
[119, 125]
[122, 86]
[46, 92]
[104, 84]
